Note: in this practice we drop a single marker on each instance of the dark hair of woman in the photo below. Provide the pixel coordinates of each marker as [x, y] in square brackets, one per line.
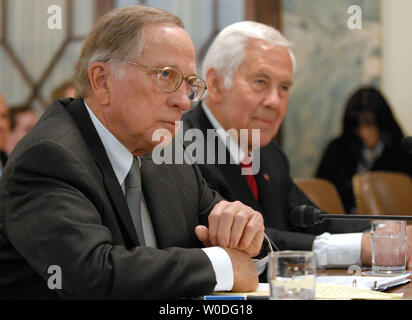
[370, 101]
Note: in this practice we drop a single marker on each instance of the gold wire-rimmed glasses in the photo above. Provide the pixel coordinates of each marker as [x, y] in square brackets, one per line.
[169, 79]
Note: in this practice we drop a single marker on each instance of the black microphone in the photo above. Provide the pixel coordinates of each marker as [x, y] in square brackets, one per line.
[306, 216]
[406, 144]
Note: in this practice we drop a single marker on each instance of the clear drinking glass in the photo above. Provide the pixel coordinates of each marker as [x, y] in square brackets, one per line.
[388, 246]
[292, 275]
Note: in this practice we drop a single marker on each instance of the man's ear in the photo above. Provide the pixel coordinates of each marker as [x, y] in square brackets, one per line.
[99, 81]
[214, 85]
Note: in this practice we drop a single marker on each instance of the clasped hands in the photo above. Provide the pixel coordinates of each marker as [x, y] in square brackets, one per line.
[239, 230]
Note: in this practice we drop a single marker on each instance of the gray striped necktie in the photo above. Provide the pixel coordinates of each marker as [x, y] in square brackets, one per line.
[134, 198]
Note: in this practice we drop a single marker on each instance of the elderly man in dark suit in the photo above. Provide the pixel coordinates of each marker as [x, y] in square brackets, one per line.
[249, 71]
[82, 198]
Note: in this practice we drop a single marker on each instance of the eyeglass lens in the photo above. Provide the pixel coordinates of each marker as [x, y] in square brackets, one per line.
[169, 79]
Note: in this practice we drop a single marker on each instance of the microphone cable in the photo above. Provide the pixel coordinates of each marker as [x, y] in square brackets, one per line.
[270, 243]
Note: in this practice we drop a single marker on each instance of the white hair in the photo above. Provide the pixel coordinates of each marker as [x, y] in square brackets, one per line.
[228, 50]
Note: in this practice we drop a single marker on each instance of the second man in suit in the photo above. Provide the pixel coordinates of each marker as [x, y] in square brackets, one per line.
[249, 71]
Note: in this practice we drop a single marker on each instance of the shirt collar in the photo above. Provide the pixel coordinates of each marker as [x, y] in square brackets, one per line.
[236, 153]
[366, 154]
[119, 156]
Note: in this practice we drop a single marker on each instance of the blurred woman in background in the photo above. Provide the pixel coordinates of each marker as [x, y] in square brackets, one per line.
[370, 141]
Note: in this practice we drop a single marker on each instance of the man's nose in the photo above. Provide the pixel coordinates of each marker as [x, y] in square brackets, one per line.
[365, 130]
[179, 98]
[272, 99]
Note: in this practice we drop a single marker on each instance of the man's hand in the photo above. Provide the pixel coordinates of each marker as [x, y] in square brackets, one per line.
[233, 225]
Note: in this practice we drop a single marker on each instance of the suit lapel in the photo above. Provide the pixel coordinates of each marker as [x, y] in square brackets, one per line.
[231, 172]
[163, 203]
[80, 115]
[265, 183]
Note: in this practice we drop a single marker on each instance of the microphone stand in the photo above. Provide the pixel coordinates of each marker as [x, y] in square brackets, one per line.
[362, 217]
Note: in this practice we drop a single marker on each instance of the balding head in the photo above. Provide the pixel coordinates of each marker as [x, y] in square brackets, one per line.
[117, 37]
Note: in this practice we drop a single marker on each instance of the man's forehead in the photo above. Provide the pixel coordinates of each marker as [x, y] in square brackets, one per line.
[165, 33]
[262, 52]
[261, 47]
[169, 45]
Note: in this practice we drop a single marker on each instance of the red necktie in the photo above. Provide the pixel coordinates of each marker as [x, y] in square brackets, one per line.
[247, 165]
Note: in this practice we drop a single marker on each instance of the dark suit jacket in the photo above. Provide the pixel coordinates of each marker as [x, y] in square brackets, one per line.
[61, 204]
[277, 192]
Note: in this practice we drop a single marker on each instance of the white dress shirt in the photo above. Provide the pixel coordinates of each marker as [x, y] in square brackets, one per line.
[331, 250]
[236, 152]
[121, 160]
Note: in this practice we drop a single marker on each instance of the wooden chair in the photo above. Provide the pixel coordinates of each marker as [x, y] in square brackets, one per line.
[321, 192]
[383, 193]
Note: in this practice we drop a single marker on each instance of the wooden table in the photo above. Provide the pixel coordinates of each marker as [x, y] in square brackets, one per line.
[406, 289]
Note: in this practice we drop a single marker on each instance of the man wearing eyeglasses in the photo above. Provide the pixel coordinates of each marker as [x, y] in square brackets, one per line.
[86, 213]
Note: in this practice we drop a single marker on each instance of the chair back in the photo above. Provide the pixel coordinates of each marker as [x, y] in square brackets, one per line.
[321, 192]
[383, 193]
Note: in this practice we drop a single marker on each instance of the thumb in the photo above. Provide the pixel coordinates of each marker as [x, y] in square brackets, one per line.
[202, 233]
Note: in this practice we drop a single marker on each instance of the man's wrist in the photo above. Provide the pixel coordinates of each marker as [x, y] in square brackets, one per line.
[222, 265]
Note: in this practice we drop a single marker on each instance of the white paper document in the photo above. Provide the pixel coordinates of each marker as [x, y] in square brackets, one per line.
[329, 291]
[365, 282]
